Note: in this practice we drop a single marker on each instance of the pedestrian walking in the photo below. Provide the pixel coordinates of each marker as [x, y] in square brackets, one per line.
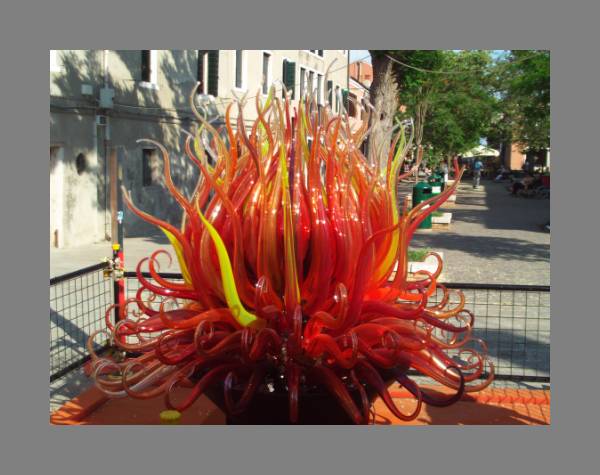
[445, 172]
[477, 166]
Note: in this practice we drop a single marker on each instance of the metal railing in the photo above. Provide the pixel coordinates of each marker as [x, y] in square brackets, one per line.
[78, 302]
[513, 320]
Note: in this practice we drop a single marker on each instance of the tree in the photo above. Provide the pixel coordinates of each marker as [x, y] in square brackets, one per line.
[463, 105]
[522, 81]
[448, 93]
[416, 87]
[384, 97]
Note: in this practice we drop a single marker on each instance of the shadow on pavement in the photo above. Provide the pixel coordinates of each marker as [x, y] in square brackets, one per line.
[488, 247]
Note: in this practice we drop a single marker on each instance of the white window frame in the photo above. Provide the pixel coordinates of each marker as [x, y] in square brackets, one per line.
[153, 83]
[244, 85]
[302, 80]
[204, 79]
[316, 75]
[269, 78]
[55, 66]
[320, 79]
[316, 55]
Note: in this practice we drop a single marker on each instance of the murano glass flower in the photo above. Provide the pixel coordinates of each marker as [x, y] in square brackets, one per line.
[293, 254]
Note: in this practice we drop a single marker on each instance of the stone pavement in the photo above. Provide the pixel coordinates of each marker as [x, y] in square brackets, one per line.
[63, 261]
[494, 237]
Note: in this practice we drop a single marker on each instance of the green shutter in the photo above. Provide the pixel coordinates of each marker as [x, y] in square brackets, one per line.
[345, 97]
[145, 69]
[289, 76]
[213, 72]
[330, 92]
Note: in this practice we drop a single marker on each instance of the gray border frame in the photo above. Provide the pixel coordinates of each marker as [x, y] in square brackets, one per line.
[30, 445]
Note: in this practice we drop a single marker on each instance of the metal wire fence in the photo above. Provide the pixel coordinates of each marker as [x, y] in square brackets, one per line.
[513, 320]
[78, 302]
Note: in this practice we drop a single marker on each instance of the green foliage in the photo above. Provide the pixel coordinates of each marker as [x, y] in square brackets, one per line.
[453, 105]
[458, 97]
[522, 81]
[417, 255]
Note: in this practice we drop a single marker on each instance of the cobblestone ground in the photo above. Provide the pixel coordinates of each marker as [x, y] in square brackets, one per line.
[493, 238]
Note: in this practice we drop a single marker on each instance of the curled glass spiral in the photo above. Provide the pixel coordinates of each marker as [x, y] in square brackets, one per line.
[293, 252]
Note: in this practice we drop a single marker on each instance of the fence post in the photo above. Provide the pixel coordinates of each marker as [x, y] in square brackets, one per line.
[116, 203]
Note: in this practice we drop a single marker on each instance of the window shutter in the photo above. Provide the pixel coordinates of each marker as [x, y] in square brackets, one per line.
[330, 92]
[289, 76]
[145, 69]
[345, 97]
[213, 72]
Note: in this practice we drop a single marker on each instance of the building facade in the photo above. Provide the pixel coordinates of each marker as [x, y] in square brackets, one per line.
[102, 100]
[362, 72]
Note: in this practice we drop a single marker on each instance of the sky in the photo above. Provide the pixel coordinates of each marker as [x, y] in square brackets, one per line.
[356, 54]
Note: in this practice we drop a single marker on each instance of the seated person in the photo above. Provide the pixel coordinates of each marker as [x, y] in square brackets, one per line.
[501, 174]
[525, 184]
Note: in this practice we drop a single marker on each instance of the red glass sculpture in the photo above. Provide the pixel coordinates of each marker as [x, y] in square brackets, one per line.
[293, 252]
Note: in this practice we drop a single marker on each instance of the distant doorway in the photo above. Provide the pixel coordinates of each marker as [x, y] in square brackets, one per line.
[56, 196]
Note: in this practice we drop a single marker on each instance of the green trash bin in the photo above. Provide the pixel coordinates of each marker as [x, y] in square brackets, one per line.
[437, 183]
[422, 192]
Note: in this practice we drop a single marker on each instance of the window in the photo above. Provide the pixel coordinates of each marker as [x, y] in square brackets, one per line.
[352, 109]
[146, 65]
[149, 67]
[345, 98]
[150, 167]
[289, 76]
[81, 163]
[330, 93]
[337, 98]
[201, 73]
[266, 73]
[311, 81]
[239, 68]
[212, 76]
[320, 89]
[302, 82]
[318, 52]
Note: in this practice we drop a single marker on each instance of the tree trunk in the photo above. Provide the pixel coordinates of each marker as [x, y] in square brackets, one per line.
[384, 97]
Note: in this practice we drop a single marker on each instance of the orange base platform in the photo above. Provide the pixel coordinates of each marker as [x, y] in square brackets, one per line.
[488, 407]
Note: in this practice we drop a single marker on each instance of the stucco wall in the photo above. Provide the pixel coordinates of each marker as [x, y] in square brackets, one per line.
[83, 212]
[154, 199]
[253, 70]
[143, 110]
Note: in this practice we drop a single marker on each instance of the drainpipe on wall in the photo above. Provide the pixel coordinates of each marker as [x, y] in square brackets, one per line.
[105, 66]
[107, 133]
[348, 73]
